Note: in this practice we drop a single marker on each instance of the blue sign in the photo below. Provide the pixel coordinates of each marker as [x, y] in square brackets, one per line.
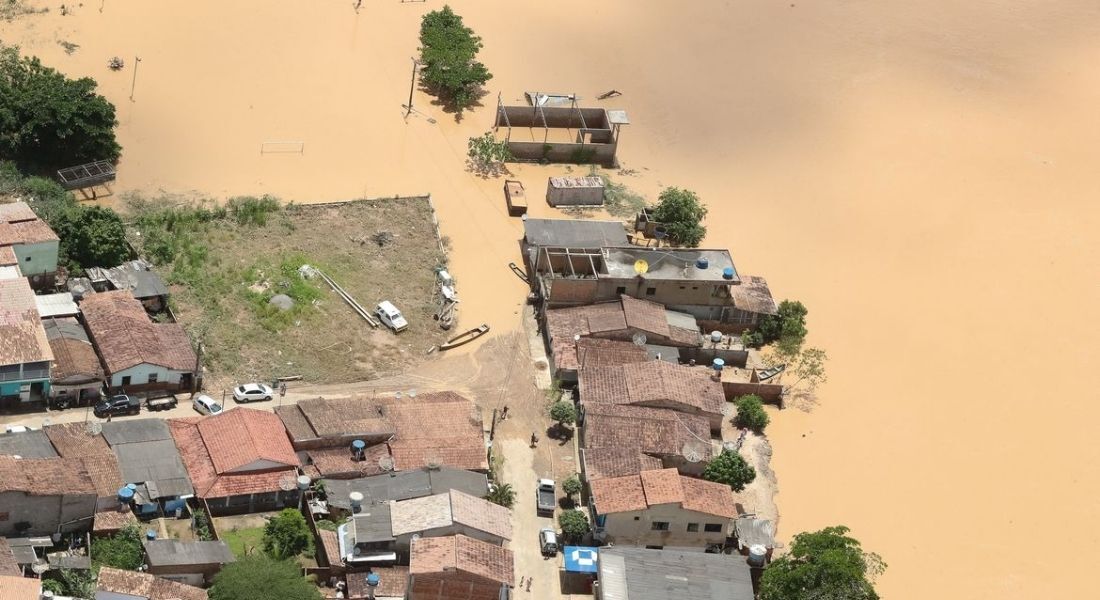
[580, 559]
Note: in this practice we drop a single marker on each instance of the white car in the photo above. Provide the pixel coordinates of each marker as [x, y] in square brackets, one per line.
[17, 429]
[390, 316]
[206, 405]
[548, 542]
[251, 392]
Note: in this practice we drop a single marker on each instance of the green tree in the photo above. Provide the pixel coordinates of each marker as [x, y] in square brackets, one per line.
[448, 55]
[47, 120]
[122, 550]
[789, 325]
[805, 367]
[563, 412]
[572, 486]
[682, 214]
[91, 236]
[502, 494]
[487, 154]
[731, 469]
[823, 565]
[286, 535]
[76, 583]
[260, 577]
[573, 523]
[751, 413]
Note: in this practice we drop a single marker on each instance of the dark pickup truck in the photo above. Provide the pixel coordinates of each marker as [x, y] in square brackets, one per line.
[117, 405]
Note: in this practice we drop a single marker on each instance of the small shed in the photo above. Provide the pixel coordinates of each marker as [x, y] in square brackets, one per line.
[516, 198]
[56, 305]
[574, 191]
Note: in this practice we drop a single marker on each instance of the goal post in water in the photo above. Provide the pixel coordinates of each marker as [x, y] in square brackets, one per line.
[282, 147]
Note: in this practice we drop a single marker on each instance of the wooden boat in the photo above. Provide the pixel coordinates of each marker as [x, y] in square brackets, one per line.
[464, 337]
[770, 372]
[519, 272]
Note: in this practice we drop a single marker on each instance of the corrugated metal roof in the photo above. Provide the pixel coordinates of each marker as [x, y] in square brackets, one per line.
[643, 574]
[174, 552]
[28, 444]
[56, 305]
[573, 233]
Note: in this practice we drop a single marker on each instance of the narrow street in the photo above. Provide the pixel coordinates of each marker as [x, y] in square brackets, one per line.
[521, 472]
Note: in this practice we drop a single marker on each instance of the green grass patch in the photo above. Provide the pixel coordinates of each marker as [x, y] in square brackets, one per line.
[242, 541]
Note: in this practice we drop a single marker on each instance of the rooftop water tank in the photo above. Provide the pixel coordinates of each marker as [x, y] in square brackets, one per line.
[702, 263]
[303, 482]
[718, 364]
[757, 555]
[357, 447]
[125, 494]
[373, 579]
[728, 273]
[150, 534]
[716, 336]
[356, 499]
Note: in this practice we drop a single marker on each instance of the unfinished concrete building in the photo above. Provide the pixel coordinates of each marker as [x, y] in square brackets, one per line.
[561, 134]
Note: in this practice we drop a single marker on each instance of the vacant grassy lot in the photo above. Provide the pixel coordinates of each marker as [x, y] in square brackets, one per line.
[225, 264]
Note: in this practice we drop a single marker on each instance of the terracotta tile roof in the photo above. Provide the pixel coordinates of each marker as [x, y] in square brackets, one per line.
[338, 463]
[13, 212]
[144, 585]
[7, 256]
[618, 494]
[74, 358]
[241, 437]
[330, 544]
[481, 514]
[200, 468]
[646, 316]
[654, 383]
[33, 232]
[113, 519]
[710, 498]
[8, 564]
[467, 556]
[421, 514]
[441, 428]
[662, 486]
[562, 324]
[126, 337]
[753, 295]
[343, 417]
[296, 424]
[104, 472]
[648, 430]
[596, 352]
[19, 588]
[45, 476]
[393, 583]
[600, 463]
[22, 338]
[73, 440]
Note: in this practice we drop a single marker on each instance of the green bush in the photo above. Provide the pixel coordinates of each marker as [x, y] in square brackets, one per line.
[572, 486]
[563, 412]
[287, 535]
[202, 525]
[326, 525]
[502, 494]
[259, 577]
[122, 550]
[574, 525]
[731, 469]
[788, 326]
[448, 55]
[822, 565]
[91, 236]
[751, 413]
[682, 214]
[252, 211]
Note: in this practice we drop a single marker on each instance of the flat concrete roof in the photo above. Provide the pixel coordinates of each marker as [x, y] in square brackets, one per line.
[670, 264]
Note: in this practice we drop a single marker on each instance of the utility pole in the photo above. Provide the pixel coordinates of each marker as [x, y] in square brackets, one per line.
[133, 83]
[412, 86]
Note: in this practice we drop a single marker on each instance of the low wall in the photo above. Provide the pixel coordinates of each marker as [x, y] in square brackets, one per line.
[771, 393]
[562, 152]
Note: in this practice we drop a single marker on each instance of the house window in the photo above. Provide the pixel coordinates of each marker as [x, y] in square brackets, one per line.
[693, 527]
[654, 547]
[620, 290]
[659, 526]
[637, 518]
[650, 291]
[713, 528]
[152, 377]
[126, 381]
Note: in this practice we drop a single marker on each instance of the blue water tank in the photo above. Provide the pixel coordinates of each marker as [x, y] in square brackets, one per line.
[358, 445]
[702, 262]
[728, 273]
[125, 494]
[718, 364]
[150, 534]
[373, 580]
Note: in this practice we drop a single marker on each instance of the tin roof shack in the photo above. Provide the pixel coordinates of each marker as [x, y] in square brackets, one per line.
[448, 514]
[116, 584]
[562, 134]
[679, 440]
[701, 282]
[662, 508]
[656, 384]
[571, 333]
[25, 354]
[405, 485]
[459, 568]
[574, 191]
[149, 460]
[42, 496]
[193, 563]
[17, 587]
[77, 376]
[138, 355]
[138, 277]
[32, 242]
[239, 460]
[645, 574]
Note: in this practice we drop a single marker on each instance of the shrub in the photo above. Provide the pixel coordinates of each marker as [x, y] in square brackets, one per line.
[574, 525]
[202, 525]
[91, 236]
[731, 469]
[789, 325]
[751, 413]
[286, 535]
[259, 577]
[486, 151]
[502, 494]
[563, 412]
[448, 53]
[823, 564]
[122, 550]
[572, 486]
[682, 214]
[327, 525]
[252, 211]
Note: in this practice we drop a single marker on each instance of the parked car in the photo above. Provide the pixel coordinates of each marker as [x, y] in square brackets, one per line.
[545, 496]
[251, 392]
[161, 403]
[391, 317]
[206, 405]
[117, 405]
[548, 542]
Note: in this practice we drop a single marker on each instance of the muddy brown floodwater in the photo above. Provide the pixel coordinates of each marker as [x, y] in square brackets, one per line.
[921, 174]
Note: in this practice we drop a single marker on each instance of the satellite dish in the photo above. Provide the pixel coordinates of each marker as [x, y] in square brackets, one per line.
[397, 395]
[288, 482]
[40, 566]
[639, 339]
[641, 267]
[412, 393]
[94, 428]
[693, 451]
[385, 463]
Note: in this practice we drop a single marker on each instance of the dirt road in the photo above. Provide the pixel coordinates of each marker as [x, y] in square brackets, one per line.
[520, 471]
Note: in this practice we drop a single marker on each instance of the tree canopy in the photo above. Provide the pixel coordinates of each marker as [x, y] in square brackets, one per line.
[448, 55]
[823, 565]
[731, 469]
[286, 535]
[563, 412]
[572, 485]
[751, 413]
[682, 214]
[487, 154]
[260, 577]
[788, 326]
[574, 525]
[502, 494]
[91, 236]
[122, 550]
[48, 121]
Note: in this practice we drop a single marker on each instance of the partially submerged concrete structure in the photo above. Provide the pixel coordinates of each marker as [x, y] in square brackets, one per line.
[561, 133]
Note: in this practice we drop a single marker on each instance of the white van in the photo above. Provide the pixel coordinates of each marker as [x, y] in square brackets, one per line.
[206, 405]
[390, 316]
